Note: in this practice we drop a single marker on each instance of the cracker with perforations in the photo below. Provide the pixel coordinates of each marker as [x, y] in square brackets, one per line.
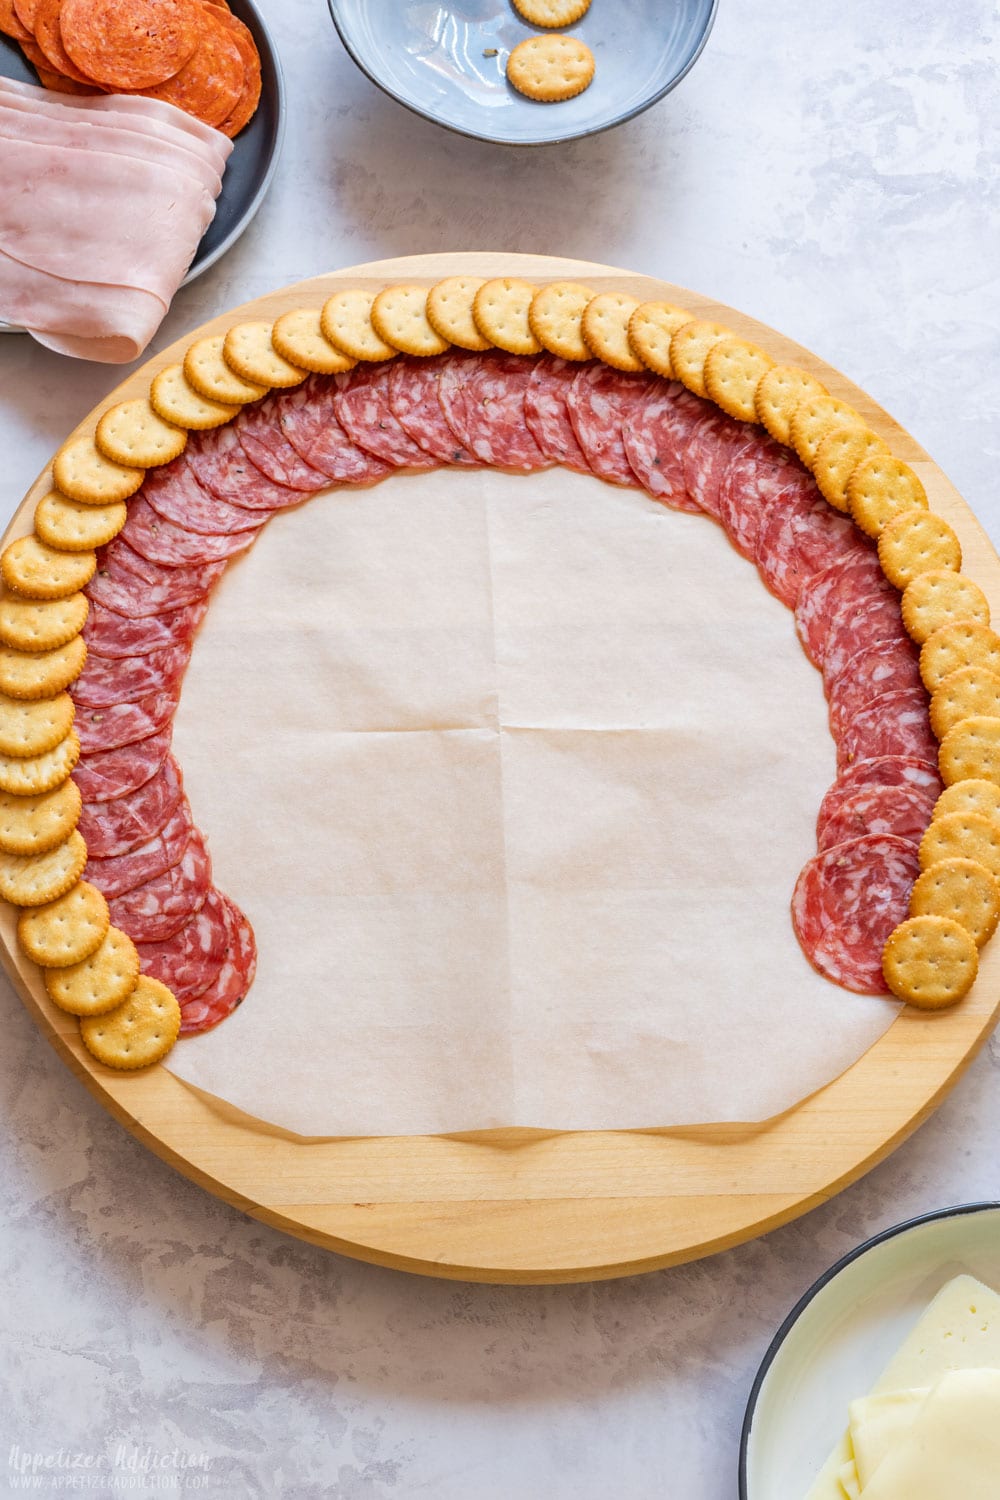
[132, 433]
[399, 315]
[930, 961]
[34, 879]
[33, 825]
[41, 674]
[67, 930]
[917, 541]
[963, 890]
[138, 1032]
[556, 318]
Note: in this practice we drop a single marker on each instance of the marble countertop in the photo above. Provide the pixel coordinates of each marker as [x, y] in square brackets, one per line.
[832, 171]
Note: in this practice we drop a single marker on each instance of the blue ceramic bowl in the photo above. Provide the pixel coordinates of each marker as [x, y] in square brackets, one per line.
[447, 62]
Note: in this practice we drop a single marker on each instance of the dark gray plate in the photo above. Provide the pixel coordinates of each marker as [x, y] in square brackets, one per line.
[436, 59]
[255, 151]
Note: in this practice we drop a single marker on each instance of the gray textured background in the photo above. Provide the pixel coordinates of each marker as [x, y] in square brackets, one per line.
[833, 171]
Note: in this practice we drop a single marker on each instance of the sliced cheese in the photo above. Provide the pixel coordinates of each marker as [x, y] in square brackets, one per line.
[877, 1423]
[951, 1448]
[848, 1480]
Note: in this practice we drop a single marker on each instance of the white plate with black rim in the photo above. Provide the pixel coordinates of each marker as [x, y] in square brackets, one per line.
[254, 157]
[836, 1341]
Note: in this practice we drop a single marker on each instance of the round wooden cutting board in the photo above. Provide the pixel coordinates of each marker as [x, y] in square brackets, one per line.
[527, 1206]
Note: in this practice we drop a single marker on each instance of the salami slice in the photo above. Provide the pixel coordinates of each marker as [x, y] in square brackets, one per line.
[124, 723]
[219, 461]
[600, 401]
[895, 724]
[125, 679]
[483, 398]
[885, 770]
[177, 496]
[115, 773]
[858, 625]
[854, 577]
[231, 983]
[260, 432]
[801, 535]
[111, 634]
[887, 667]
[159, 907]
[124, 823]
[903, 811]
[847, 901]
[122, 588]
[547, 414]
[160, 541]
[365, 412]
[309, 421]
[712, 446]
[755, 480]
[415, 402]
[123, 872]
[655, 435]
[189, 961]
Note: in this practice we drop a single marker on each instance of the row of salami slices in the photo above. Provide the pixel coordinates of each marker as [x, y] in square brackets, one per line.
[520, 414]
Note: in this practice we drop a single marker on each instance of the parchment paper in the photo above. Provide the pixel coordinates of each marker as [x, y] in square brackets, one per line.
[514, 778]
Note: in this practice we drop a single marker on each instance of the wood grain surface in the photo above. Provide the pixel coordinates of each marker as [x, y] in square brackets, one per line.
[528, 1206]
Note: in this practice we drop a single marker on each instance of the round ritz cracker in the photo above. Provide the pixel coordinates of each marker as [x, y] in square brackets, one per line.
[650, 329]
[605, 330]
[206, 370]
[552, 12]
[449, 312]
[550, 68]
[971, 795]
[250, 353]
[33, 825]
[914, 542]
[41, 674]
[779, 392]
[838, 455]
[938, 598]
[930, 961]
[968, 692]
[174, 398]
[880, 488]
[399, 315]
[962, 835]
[971, 750]
[99, 982]
[71, 527]
[28, 775]
[965, 643]
[813, 418]
[133, 433]
[31, 568]
[139, 1031]
[34, 879]
[689, 348]
[30, 728]
[298, 337]
[733, 371]
[122, 48]
[501, 310]
[41, 624]
[963, 890]
[346, 321]
[555, 317]
[82, 472]
[67, 930]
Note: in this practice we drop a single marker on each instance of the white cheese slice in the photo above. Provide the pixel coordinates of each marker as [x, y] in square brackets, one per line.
[951, 1449]
[849, 1483]
[877, 1423]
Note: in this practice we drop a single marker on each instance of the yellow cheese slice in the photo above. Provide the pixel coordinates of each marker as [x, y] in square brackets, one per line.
[848, 1480]
[877, 1423]
[952, 1447]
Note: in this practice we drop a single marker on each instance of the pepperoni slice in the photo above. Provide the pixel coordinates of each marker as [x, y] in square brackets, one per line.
[755, 480]
[547, 414]
[123, 872]
[106, 680]
[847, 900]
[189, 961]
[124, 823]
[230, 985]
[107, 774]
[415, 402]
[309, 421]
[887, 667]
[601, 400]
[483, 399]
[655, 435]
[178, 496]
[156, 909]
[123, 723]
[903, 811]
[220, 462]
[895, 724]
[119, 44]
[365, 412]
[853, 578]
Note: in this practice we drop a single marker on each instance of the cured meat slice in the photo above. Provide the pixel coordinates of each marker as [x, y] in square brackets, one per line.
[895, 724]
[363, 406]
[189, 961]
[801, 535]
[755, 480]
[123, 872]
[887, 667]
[600, 401]
[712, 446]
[854, 577]
[121, 586]
[655, 435]
[125, 679]
[483, 399]
[884, 770]
[847, 900]
[415, 402]
[259, 431]
[903, 811]
[177, 495]
[160, 541]
[219, 461]
[124, 723]
[124, 823]
[115, 773]
[309, 421]
[547, 414]
[111, 634]
[859, 624]
[159, 907]
[231, 983]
